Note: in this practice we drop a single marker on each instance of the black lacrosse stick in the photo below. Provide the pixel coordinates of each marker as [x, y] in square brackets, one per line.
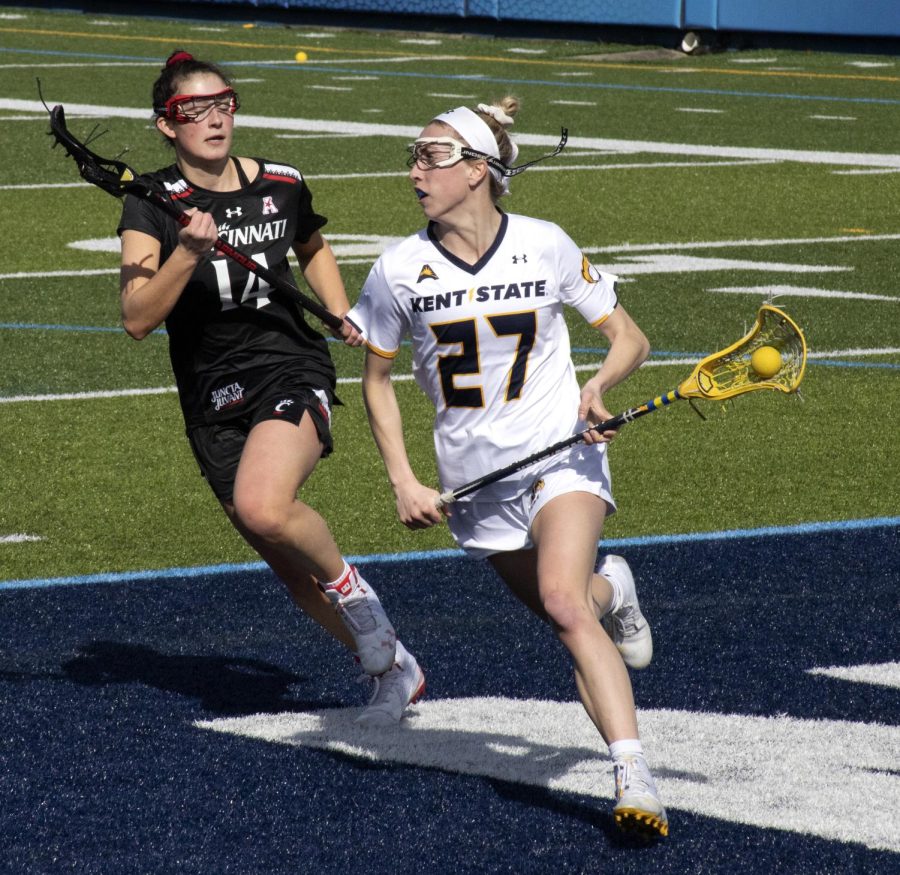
[118, 179]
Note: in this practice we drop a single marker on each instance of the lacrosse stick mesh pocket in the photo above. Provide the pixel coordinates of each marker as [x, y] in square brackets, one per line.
[728, 372]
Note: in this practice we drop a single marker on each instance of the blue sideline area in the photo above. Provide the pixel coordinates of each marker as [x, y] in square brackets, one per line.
[879, 18]
[103, 771]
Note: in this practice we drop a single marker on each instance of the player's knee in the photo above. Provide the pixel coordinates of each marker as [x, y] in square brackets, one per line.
[566, 612]
[260, 518]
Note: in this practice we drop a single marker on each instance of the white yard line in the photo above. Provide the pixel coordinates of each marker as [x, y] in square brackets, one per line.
[590, 250]
[407, 132]
[772, 292]
[399, 174]
[730, 244]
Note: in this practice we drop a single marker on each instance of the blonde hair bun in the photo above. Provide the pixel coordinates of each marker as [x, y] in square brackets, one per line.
[502, 110]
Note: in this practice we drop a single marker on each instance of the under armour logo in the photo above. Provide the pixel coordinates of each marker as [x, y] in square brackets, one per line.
[516, 258]
[237, 211]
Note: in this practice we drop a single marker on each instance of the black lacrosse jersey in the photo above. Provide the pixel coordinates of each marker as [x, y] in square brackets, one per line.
[231, 335]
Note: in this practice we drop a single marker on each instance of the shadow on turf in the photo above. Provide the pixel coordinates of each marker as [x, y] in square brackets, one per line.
[223, 685]
[588, 813]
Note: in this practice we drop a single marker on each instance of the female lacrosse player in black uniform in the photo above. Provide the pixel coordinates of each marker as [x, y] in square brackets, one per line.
[255, 381]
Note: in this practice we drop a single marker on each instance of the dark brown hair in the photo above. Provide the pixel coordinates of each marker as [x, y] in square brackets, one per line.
[179, 66]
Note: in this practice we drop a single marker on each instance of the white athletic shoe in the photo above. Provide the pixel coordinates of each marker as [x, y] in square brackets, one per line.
[637, 808]
[625, 623]
[361, 612]
[394, 690]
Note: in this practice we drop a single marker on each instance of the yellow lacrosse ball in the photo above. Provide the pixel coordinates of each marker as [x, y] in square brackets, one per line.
[766, 361]
[300, 57]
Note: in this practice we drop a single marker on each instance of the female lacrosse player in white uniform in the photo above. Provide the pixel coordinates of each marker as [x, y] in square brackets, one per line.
[481, 295]
[255, 381]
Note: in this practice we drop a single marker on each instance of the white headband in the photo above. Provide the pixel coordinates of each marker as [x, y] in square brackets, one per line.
[475, 131]
[472, 129]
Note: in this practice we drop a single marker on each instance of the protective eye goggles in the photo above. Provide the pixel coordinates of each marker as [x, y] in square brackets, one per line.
[428, 153]
[196, 107]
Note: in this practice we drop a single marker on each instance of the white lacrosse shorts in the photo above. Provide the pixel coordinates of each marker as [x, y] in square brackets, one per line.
[483, 528]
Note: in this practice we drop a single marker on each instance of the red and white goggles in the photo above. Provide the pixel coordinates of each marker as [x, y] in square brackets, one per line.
[196, 107]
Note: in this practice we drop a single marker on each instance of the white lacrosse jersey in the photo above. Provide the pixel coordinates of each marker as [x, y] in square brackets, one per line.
[490, 343]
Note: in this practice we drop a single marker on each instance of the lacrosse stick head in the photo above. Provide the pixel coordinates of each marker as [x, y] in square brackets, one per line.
[729, 372]
[113, 176]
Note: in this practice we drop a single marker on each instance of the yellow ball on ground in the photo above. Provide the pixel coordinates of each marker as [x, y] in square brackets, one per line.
[766, 361]
[249, 26]
[300, 57]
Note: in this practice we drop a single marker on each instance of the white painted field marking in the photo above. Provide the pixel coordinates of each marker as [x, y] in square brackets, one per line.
[574, 102]
[54, 64]
[698, 109]
[835, 118]
[22, 118]
[18, 539]
[731, 244]
[587, 153]
[96, 244]
[89, 396]
[402, 174]
[400, 59]
[645, 165]
[341, 244]
[57, 273]
[330, 137]
[664, 263]
[737, 774]
[802, 292]
[408, 132]
[874, 172]
[886, 674]
[853, 353]
[377, 245]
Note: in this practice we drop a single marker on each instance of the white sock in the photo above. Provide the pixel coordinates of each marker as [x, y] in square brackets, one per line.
[616, 601]
[626, 747]
[345, 583]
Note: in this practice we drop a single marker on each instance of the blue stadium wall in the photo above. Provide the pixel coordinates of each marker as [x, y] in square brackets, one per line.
[851, 18]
